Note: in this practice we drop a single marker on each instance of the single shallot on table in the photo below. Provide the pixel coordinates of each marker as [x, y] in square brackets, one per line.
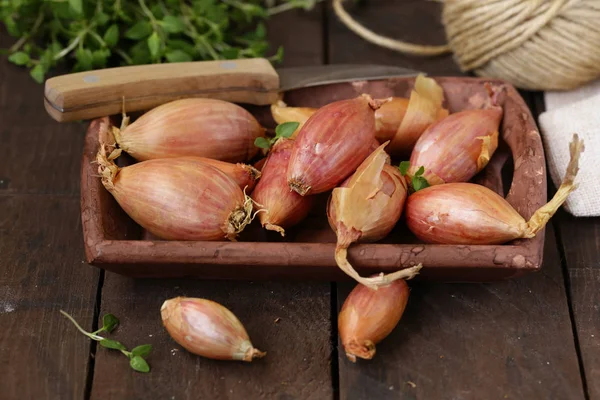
[366, 208]
[177, 198]
[467, 213]
[208, 329]
[368, 316]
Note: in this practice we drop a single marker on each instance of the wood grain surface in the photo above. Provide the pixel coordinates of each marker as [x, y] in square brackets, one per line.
[531, 338]
[580, 239]
[42, 356]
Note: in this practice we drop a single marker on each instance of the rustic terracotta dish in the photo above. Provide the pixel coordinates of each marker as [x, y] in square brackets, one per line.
[116, 243]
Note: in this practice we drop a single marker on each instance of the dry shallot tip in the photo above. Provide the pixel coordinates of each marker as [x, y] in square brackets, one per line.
[375, 103]
[253, 172]
[487, 149]
[299, 187]
[208, 329]
[541, 217]
[276, 228]
[239, 218]
[125, 118]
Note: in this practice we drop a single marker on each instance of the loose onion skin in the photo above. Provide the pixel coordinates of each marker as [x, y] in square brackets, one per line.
[178, 199]
[281, 207]
[244, 175]
[192, 127]
[366, 208]
[208, 329]
[467, 213]
[331, 145]
[389, 117]
[368, 316]
[282, 113]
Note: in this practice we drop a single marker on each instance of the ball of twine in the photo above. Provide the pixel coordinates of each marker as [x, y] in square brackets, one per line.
[533, 44]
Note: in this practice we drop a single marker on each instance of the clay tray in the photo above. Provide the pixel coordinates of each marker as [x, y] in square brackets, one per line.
[115, 243]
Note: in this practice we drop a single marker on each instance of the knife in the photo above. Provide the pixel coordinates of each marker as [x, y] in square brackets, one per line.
[92, 94]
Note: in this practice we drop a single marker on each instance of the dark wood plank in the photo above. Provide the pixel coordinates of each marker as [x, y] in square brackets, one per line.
[473, 341]
[297, 365]
[580, 238]
[470, 341]
[298, 345]
[39, 155]
[42, 356]
[579, 242]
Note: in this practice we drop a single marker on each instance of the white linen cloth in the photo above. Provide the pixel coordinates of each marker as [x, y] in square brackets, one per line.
[576, 111]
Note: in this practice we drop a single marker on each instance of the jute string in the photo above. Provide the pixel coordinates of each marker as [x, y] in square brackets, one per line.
[533, 44]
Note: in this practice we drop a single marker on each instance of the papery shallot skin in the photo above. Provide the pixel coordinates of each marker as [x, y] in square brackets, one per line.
[395, 187]
[456, 148]
[368, 316]
[208, 329]
[193, 127]
[180, 199]
[331, 145]
[282, 207]
[389, 117]
[462, 213]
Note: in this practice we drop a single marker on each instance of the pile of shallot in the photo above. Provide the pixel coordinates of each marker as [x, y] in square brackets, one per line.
[190, 184]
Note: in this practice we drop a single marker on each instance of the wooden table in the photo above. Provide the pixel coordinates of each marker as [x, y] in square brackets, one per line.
[537, 337]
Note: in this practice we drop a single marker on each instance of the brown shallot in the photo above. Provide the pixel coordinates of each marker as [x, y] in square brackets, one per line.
[331, 145]
[366, 208]
[368, 316]
[208, 329]
[177, 198]
[280, 207]
[467, 213]
[191, 127]
[457, 147]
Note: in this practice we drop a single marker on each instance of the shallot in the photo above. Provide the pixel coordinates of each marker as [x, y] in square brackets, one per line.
[331, 145]
[208, 329]
[368, 316]
[177, 198]
[280, 207]
[457, 147]
[191, 127]
[467, 213]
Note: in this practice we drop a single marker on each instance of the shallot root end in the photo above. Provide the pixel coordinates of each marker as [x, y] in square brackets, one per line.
[541, 217]
[253, 353]
[239, 218]
[365, 350]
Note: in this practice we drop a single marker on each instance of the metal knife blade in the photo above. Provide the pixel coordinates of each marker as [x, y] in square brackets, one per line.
[300, 77]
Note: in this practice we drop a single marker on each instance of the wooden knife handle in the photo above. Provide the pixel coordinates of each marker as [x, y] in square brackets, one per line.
[99, 93]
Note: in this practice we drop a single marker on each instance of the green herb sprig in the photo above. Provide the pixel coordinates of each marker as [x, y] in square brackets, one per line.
[284, 130]
[136, 356]
[92, 34]
[418, 181]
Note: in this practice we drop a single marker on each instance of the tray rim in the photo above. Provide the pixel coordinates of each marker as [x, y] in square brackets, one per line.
[205, 259]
